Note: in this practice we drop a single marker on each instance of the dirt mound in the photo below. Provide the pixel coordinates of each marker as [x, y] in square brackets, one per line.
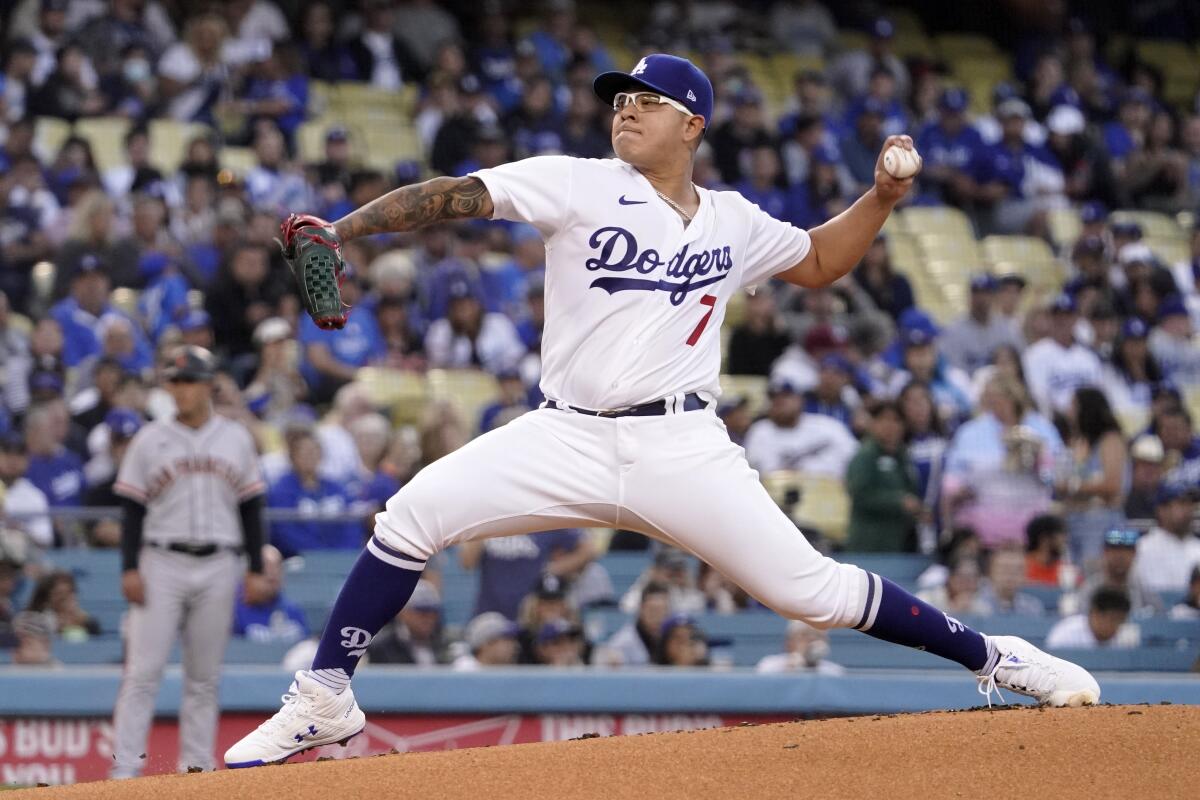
[1106, 752]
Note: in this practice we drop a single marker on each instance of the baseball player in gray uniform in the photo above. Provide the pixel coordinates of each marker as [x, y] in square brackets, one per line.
[640, 266]
[192, 493]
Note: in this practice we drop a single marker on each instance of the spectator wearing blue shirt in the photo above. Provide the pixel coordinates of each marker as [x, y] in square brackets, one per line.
[512, 402]
[861, 151]
[163, 302]
[1122, 135]
[1182, 448]
[55, 470]
[79, 314]
[509, 566]
[378, 480]
[948, 145]
[277, 89]
[276, 620]
[820, 198]
[828, 397]
[1013, 177]
[302, 490]
[925, 435]
[506, 286]
[331, 358]
[761, 185]
[881, 90]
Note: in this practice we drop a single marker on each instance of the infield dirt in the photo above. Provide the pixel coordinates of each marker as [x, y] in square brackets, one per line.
[1127, 752]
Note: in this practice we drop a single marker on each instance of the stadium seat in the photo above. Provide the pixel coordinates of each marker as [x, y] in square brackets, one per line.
[20, 323]
[49, 133]
[238, 160]
[950, 247]
[1170, 251]
[1132, 420]
[817, 501]
[1017, 249]
[1187, 221]
[125, 300]
[735, 309]
[106, 135]
[1064, 227]
[1155, 224]
[903, 250]
[752, 387]
[943, 220]
[404, 393]
[321, 97]
[469, 391]
[965, 45]
[169, 140]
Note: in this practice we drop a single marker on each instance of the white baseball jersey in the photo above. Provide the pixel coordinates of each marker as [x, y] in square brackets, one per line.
[634, 299]
[816, 445]
[191, 480]
[1054, 372]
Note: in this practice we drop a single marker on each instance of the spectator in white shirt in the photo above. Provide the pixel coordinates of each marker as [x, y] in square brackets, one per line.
[469, 337]
[1105, 625]
[1058, 365]
[806, 649]
[1167, 554]
[1172, 346]
[635, 643]
[22, 505]
[1189, 609]
[789, 439]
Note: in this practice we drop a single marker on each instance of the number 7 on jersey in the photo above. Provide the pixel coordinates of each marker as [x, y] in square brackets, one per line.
[709, 300]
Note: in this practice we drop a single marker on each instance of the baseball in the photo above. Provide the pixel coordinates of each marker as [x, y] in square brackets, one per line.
[901, 163]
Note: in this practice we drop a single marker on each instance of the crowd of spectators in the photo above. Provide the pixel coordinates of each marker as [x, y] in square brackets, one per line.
[995, 436]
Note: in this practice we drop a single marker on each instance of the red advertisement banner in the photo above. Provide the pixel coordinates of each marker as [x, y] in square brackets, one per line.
[69, 750]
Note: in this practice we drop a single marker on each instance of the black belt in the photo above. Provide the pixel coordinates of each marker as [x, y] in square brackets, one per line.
[198, 550]
[657, 408]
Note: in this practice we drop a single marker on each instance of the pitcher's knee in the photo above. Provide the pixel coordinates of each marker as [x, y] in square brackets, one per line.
[411, 523]
[832, 597]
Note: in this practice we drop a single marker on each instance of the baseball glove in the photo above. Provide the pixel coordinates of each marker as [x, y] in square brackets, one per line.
[314, 254]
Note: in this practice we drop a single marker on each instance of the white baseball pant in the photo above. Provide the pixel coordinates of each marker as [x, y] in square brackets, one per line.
[677, 478]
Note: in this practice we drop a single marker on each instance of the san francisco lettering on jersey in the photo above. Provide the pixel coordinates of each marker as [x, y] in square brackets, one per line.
[619, 252]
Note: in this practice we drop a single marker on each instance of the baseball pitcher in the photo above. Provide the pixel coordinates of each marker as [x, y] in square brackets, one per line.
[641, 264]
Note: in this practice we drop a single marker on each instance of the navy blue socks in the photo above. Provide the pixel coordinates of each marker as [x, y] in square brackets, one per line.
[377, 587]
[894, 615]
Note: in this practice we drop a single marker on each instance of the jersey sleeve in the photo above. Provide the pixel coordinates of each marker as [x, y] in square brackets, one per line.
[772, 247]
[133, 476]
[251, 483]
[534, 190]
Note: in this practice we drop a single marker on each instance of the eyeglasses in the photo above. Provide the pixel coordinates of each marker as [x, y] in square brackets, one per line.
[647, 101]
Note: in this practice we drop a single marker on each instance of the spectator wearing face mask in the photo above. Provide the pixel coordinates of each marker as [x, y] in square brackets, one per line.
[806, 649]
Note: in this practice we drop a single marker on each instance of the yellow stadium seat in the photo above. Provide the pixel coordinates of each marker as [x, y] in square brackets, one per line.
[384, 146]
[1017, 249]
[1132, 420]
[321, 97]
[906, 20]
[981, 67]
[195, 298]
[468, 390]
[1064, 226]
[751, 387]
[363, 98]
[169, 140]
[1170, 57]
[938, 219]
[106, 135]
[1039, 274]
[49, 133]
[852, 40]
[950, 247]
[1155, 224]
[912, 44]
[788, 65]
[903, 251]
[819, 501]
[735, 309]
[125, 300]
[1170, 251]
[1191, 399]
[965, 45]
[20, 323]
[1187, 221]
[238, 160]
[404, 393]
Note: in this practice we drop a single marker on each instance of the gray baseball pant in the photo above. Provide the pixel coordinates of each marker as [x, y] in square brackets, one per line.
[191, 598]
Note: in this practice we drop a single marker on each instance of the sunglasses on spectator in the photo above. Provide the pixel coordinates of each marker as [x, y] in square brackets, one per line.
[646, 101]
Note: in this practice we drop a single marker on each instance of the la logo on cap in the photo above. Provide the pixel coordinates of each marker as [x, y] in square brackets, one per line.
[640, 68]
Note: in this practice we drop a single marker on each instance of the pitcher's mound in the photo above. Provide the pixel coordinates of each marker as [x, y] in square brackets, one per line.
[1088, 753]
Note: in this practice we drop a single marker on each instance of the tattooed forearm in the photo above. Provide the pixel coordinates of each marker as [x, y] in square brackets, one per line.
[411, 207]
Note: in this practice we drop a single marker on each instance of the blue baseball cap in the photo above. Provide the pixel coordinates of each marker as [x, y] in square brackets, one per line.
[914, 319]
[676, 620]
[780, 386]
[882, 28]
[839, 362]
[1121, 537]
[917, 337]
[1127, 228]
[953, 99]
[1064, 304]
[1134, 328]
[1172, 306]
[985, 282]
[1170, 492]
[1093, 212]
[123, 423]
[675, 77]
[826, 154]
[194, 320]
[555, 629]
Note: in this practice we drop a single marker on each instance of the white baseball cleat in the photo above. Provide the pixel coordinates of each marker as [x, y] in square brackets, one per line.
[1027, 670]
[312, 716]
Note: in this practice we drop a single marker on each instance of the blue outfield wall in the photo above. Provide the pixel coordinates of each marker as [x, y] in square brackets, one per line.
[91, 691]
